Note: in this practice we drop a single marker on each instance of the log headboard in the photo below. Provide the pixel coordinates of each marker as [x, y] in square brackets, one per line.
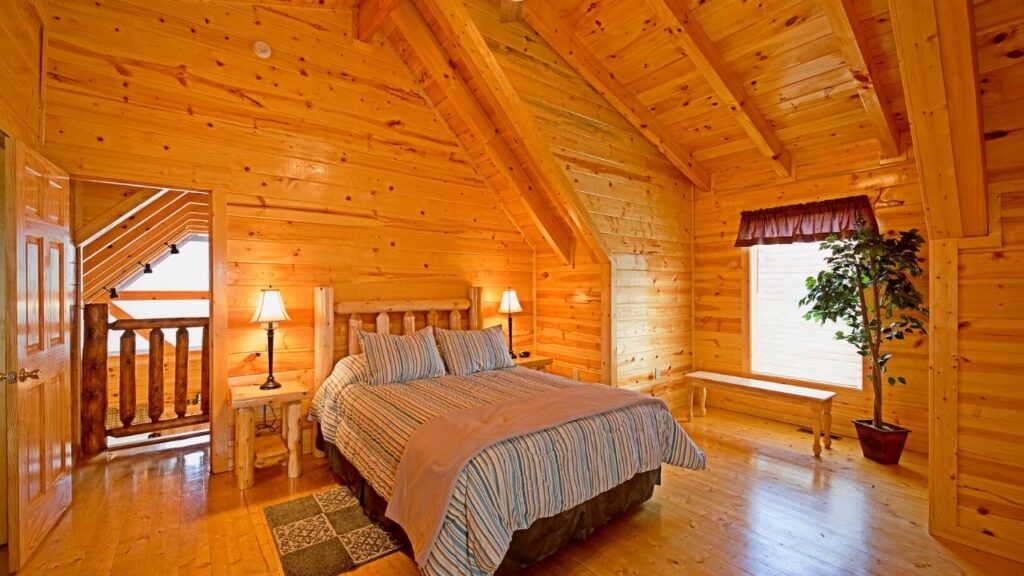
[411, 314]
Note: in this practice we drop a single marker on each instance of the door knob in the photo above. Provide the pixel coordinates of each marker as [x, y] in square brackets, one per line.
[24, 375]
[6, 377]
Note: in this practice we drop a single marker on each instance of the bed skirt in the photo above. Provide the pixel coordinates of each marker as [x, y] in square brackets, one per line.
[544, 537]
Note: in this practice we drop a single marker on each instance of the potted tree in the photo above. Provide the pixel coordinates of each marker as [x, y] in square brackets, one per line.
[868, 287]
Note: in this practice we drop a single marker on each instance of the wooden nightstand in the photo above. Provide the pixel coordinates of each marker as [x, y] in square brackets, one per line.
[252, 452]
[535, 362]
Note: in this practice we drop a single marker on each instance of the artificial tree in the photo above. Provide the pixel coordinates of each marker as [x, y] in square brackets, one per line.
[868, 286]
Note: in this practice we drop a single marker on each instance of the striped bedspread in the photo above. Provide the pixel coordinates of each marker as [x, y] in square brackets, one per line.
[509, 485]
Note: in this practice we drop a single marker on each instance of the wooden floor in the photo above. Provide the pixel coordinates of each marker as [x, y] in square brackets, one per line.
[765, 507]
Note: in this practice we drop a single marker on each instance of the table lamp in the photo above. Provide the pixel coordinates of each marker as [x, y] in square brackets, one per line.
[510, 305]
[269, 310]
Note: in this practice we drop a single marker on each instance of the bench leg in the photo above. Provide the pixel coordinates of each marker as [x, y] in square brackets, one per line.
[826, 419]
[689, 402]
[703, 401]
[816, 430]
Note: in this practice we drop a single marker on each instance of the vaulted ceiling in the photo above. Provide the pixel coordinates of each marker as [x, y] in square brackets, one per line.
[730, 91]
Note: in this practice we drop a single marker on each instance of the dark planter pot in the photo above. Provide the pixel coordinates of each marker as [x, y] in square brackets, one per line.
[883, 445]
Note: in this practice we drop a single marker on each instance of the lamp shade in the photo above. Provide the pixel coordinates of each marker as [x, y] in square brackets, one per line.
[509, 302]
[270, 308]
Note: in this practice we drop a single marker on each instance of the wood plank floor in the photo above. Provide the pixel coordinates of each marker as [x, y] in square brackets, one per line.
[765, 507]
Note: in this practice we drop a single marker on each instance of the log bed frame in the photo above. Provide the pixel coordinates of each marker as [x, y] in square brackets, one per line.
[546, 535]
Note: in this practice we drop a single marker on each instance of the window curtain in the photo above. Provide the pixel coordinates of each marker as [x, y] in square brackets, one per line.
[811, 222]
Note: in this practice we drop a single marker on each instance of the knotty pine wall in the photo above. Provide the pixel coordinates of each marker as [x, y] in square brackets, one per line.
[335, 169]
[989, 441]
[21, 32]
[720, 281]
[641, 206]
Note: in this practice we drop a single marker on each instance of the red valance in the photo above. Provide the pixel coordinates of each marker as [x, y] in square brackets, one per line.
[811, 222]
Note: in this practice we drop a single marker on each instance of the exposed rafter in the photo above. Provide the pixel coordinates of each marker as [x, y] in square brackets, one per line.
[546, 22]
[709, 61]
[854, 47]
[516, 123]
[417, 40]
[935, 42]
[370, 15]
[113, 258]
[116, 214]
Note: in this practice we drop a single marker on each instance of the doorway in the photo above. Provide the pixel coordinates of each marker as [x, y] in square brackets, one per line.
[144, 263]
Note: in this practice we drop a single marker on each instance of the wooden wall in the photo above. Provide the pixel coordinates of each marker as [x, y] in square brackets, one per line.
[21, 43]
[334, 168]
[720, 281]
[977, 489]
[639, 202]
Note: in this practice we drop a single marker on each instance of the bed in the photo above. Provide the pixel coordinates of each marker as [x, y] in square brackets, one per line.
[517, 500]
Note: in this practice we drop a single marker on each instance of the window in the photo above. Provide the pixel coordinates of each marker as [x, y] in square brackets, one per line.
[782, 343]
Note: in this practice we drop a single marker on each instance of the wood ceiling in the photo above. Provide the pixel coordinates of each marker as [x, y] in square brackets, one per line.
[734, 93]
[142, 237]
[730, 91]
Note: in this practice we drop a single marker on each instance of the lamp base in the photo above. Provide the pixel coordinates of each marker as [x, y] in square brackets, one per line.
[270, 384]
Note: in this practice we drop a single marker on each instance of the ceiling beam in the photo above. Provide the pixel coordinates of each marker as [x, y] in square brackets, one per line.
[713, 67]
[416, 40]
[117, 213]
[572, 49]
[517, 124]
[370, 15]
[935, 44]
[853, 45]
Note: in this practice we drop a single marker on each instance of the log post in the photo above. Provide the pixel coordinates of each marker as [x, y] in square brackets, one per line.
[156, 374]
[181, 372]
[383, 323]
[94, 379]
[355, 324]
[127, 392]
[204, 385]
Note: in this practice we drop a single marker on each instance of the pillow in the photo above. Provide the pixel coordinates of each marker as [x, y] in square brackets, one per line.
[401, 358]
[469, 351]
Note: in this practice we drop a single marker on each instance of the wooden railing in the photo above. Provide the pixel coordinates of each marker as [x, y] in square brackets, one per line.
[95, 380]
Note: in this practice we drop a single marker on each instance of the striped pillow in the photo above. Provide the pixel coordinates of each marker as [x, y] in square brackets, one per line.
[469, 351]
[401, 358]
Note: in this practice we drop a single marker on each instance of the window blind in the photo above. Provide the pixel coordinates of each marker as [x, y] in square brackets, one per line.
[782, 342]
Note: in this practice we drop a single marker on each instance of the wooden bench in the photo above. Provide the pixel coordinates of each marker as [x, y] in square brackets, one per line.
[818, 401]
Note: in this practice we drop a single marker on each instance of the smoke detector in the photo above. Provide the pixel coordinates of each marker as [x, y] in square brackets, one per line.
[261, 49]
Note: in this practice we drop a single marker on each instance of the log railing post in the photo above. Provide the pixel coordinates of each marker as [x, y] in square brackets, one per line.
[127, 389]
[96, 384]
[156, 374]
[181, 372]
[94, 379]
[204, 385]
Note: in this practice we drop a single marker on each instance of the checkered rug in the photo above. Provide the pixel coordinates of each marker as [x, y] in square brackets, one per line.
[326, 534]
